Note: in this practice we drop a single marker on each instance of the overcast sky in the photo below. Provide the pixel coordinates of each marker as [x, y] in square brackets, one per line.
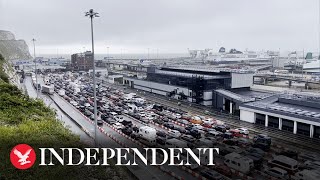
[171, 26]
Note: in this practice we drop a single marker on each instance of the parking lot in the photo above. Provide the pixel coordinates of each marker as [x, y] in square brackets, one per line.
[242, 155]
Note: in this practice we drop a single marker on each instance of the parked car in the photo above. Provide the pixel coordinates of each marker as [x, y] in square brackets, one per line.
[277, 173]
[127, 130]
[221, 128]
[211, 174]
[161, 134]
[118, 125]
[168, 125]
[127, 123]
[174, 133]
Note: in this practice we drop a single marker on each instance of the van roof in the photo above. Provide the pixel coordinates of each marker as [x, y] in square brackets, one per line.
[286, 159]
[280, 170]
[147, 128]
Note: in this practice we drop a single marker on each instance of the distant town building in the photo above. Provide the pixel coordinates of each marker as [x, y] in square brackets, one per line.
[82, 61]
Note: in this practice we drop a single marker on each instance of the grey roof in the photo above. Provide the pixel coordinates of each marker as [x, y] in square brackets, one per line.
[234, 95]
[292, 110]
[185, 74]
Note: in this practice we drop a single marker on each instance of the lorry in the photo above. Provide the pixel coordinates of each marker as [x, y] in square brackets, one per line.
[47, 89]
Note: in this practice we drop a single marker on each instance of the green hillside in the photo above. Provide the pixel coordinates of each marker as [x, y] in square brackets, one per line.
[26, 120]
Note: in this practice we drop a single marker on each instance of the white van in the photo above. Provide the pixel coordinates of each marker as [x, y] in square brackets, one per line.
[238, 162]
[285, 163]
[113, 114]
[148, 132]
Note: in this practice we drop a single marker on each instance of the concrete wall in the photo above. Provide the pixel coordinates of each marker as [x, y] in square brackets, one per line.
[239, 80]
[207, 95]
[158, 86]
[247, 116]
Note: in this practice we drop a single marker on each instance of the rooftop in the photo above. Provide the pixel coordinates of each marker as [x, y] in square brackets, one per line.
[295, 105]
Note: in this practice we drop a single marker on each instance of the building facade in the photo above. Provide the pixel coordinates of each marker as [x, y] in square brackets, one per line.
[197, 86]
[82, 61]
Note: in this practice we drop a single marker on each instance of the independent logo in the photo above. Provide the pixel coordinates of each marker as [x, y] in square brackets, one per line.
[22, 156]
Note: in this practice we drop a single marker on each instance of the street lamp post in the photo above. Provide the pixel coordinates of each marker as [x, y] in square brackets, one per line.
[108, 53]
[35, 65]
[91, 15]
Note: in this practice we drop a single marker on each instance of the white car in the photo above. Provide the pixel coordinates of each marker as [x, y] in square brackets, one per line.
[209, 121]
[176, 116]
[118, 125]
[174, 133]
[198, 126]
[118, 118]
[243, 131]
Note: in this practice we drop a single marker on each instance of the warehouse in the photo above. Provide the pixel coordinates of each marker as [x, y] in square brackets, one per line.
[194, 85]
[297, 113]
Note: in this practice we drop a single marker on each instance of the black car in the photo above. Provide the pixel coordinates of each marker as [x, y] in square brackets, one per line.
[127, 123]
[221, 128]
[161, 134]
[211, 174]
[127, 130]
[231, 142]
[104, 116]
[195, 133]
[161, 140]
[180, 129]
[189, 128]
[134, 135]
[168, 125]
[227, 135]
[158, 121]
[262, 138]
[135, 128]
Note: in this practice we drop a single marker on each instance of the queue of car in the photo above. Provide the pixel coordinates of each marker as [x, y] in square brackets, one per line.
[183, 129]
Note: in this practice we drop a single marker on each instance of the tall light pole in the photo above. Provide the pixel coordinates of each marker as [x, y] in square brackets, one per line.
[91, 15]
[35, 65]
[108, 53]
[148, 53]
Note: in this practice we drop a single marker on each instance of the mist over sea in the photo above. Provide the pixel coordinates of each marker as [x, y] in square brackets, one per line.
[124, 56]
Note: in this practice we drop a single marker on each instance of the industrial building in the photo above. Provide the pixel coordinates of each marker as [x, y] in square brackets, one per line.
[294, 112]
[195, 85]
[82, 61]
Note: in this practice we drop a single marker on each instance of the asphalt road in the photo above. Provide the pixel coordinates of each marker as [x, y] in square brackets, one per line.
[60, 115]
[141, 171]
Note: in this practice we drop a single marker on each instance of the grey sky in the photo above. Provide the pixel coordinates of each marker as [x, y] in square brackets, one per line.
[168, 25]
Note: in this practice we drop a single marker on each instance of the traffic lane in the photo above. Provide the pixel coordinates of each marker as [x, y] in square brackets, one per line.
[60, 115]
[105, 141]
[138, 123]
[30, 89]
[131, 144]
[102, 139]
[77, 116]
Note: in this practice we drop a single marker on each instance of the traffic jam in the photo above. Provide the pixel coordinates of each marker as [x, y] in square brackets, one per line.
[242, 155]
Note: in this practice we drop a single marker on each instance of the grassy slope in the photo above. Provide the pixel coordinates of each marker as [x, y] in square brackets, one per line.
[25, 120]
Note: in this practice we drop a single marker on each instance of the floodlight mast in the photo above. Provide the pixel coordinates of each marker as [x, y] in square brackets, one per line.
[92, 15]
